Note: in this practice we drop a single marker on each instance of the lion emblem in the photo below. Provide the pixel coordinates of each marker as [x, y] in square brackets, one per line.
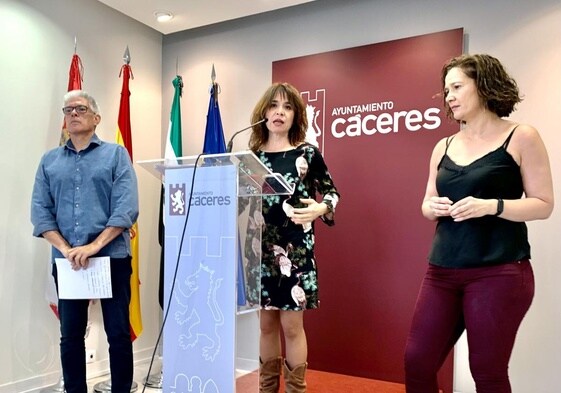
[177, 202]
[313, 130]
[201, 319]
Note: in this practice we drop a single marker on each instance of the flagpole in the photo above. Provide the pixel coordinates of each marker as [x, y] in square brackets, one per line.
[124, 138]
[172, 150]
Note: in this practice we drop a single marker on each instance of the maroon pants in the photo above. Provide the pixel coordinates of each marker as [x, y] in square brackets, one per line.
[488, 302]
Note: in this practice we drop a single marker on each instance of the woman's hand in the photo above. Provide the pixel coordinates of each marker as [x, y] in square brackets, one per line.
[440, 206]
[471, 207]
[313, 210]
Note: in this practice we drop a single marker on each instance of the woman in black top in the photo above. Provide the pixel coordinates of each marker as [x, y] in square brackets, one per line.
[484, 183]
[288, 267]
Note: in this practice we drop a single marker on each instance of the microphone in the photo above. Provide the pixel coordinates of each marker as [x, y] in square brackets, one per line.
[231, 141]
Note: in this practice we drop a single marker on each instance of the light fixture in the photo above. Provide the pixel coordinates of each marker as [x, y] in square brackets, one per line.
[163, 16]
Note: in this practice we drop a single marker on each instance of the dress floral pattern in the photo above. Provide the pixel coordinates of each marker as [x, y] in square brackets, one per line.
[289, 278]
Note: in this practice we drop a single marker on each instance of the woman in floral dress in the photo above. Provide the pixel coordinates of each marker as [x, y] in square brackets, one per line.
[289, 283]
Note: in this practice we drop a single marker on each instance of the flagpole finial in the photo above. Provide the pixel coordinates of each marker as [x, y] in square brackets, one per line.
[127, 56]
[179, 85]
[75, 44]
[214, 87]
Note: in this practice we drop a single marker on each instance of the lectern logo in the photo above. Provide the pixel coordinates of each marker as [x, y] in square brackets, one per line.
[176, 200]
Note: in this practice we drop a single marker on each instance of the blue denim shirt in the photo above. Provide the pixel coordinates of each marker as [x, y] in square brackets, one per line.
[81, 193]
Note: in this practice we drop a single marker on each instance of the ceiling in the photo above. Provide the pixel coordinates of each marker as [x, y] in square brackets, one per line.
[189, 14]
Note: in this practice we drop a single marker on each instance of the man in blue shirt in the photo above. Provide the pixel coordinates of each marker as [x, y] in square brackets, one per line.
[85, 199]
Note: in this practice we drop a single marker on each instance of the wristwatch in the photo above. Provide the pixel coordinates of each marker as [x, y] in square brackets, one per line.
[500, 207]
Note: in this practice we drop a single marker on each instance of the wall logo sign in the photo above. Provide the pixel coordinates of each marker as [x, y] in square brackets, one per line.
[363, 119]
[385, 91]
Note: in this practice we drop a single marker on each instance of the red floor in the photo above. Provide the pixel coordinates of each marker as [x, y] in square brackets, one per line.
[322, 382]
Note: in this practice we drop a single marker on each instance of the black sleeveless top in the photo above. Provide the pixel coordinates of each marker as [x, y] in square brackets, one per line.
[487, 240]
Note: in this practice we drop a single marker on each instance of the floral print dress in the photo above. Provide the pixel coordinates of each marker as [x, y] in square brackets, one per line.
[289, 279]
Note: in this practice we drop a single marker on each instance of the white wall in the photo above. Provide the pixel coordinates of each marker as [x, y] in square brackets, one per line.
[526, 36]
[36, 46]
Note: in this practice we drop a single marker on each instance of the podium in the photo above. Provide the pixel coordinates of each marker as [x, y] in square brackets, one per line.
[212, 266]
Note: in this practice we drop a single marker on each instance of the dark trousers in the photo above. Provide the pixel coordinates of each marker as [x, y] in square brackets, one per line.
[489, 303]
[73, 322]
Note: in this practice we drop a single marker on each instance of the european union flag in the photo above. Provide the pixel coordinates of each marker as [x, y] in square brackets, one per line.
[214, 134]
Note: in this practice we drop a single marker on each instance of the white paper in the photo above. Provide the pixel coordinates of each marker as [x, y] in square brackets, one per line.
[94, 282]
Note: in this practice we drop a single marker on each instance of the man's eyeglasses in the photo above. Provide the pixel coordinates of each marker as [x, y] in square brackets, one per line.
[80, 109]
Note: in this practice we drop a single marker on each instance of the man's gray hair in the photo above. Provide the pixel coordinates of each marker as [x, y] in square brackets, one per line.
[81, 93]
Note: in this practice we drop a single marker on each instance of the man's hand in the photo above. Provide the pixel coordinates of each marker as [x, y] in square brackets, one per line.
[79, 257]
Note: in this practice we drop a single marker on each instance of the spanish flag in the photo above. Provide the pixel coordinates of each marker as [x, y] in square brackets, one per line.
[74, 83]
[124, 138]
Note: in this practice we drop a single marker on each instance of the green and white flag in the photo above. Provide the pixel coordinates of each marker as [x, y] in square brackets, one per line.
[172, 151]
[173, 140]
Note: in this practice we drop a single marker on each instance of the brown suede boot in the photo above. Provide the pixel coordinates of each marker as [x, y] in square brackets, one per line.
[294, 380]
[269, 375]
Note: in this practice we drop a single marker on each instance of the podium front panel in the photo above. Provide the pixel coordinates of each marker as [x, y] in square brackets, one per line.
[212, 278]
[199, 333]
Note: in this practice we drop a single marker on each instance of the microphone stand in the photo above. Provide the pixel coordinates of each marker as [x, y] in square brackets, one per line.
[231, 141]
